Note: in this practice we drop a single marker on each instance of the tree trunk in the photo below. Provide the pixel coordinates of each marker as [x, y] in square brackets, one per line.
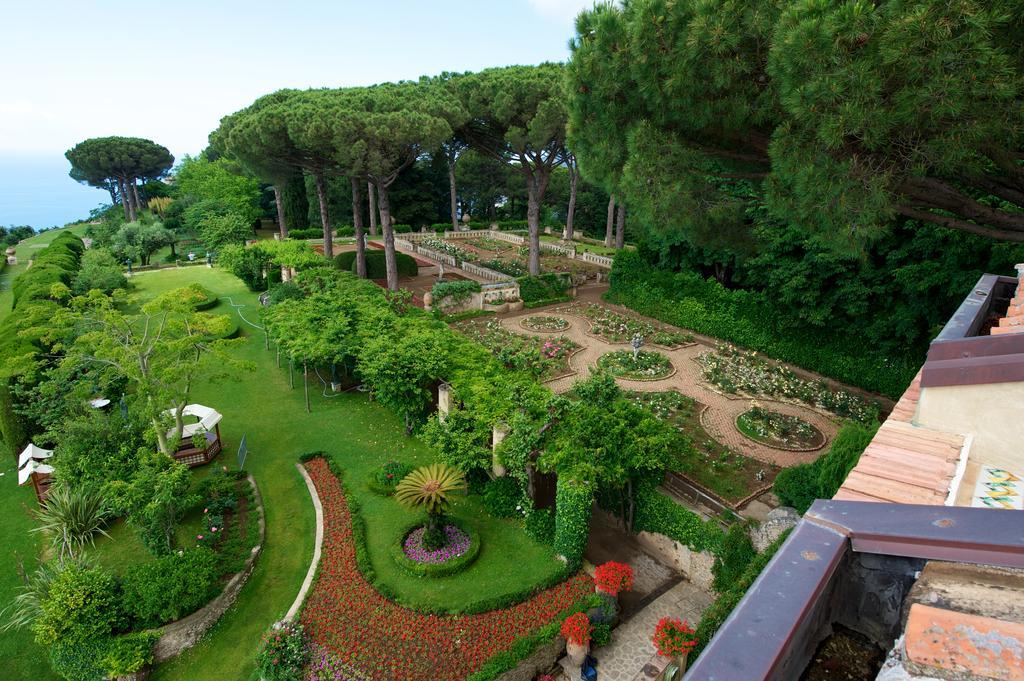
[371, 194]
[161, 438]
[357, 224]
[611, 222]
[620, 227]
[282, 226]
[113, 194]
[534, 197]
[124, 200]
[321, 195]
[389, 237]
[305, 384]
[135, 197]
[452, 195]
[570, 214]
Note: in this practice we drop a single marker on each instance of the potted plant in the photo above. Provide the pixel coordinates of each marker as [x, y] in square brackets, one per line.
[576, 632]
[612, 578]
[674, 639]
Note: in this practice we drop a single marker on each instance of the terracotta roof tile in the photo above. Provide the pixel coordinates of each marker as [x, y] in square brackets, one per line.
[965, 644]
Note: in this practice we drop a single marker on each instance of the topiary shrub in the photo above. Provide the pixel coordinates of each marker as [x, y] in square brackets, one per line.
[540, 525]
[503, 497]
[573, 505]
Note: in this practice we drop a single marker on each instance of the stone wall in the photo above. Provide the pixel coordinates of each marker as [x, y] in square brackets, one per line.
[179, 636]
[540, 662]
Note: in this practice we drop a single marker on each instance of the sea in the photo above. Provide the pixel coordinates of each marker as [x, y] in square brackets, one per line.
[35, 190]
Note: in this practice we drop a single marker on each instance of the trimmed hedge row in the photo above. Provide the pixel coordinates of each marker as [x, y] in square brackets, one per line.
[746, 318]
[543, 289]
[800, 485]
[451, 567]
[655, 512]
[376, 267]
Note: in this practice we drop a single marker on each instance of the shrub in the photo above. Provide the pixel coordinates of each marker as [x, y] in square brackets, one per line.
[376, 268]
[385, 478]
[82, 604]
[601, 635]
[282, 653]
[451, 293]
[170, 587]
[733, 558]
[655, 512]
[99, 270]
[127, 654]
[800, 485]
[540, 525]
[503, 497]
[543, 289]
[573, 502]
[748, 319]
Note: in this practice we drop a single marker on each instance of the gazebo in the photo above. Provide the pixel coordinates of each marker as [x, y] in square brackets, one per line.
[206, 423]
[32, 466]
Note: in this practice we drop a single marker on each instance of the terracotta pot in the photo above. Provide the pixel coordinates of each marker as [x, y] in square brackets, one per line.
[676, 669]
[577, 653]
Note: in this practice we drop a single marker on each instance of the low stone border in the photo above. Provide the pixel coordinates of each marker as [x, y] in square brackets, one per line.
[750, 497]
[824, 437]
[307, 583]
[179, 636]
[568, 363]
[588, 326]
[795, 404]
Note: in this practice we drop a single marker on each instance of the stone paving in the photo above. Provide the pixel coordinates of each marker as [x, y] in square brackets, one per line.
[719, 419]
[631, 655]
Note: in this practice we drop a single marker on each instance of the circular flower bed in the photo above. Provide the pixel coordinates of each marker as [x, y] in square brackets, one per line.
[648, 366]
[456, 555]
[545, 323]
[781, 431]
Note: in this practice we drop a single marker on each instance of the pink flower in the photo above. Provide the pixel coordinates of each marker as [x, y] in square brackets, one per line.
[213, 529]
[199, 536]
[206, 510]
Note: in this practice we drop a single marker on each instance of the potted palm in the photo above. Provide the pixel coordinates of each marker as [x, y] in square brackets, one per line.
[674, 639]
[429, 489]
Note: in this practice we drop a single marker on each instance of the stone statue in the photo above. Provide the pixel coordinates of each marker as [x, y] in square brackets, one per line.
[637, 342]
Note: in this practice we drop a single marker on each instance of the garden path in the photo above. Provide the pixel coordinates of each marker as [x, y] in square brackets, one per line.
[719, 419]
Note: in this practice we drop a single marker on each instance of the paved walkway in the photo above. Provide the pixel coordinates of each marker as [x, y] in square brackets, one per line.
[719, 419]
[631, 655]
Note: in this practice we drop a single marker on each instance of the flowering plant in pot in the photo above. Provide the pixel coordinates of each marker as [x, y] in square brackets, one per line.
[674, 639]
[613, 578]
[576, 632]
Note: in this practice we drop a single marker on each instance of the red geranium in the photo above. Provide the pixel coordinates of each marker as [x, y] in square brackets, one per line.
[576, 629]
[673, 637]
[613, 578]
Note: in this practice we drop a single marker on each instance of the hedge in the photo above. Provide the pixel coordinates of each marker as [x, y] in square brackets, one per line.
[655, 512]
[318, 233]
[800, 485]
[573, 505]
[450, 567]
[450, 293]
[376, 268]
[543, 289]
[749, 319]
[716, 614]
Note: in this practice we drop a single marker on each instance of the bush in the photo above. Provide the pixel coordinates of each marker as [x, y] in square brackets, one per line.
[81, 605]
[573, 502]
[302, 234]
[503, 497]
[733, 558]
[171, 587]
[282, 653]
[376, 267]
[384, 479]
[655, 512]
[452, 293]
[749, 319]
[600, 635]
[99, 270]
[543, 289]
[800, 485]
[125, 655]
[540, 525]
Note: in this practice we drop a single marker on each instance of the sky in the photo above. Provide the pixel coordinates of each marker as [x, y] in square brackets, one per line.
[170, 71]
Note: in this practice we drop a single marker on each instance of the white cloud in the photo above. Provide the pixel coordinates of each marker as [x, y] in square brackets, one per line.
[560, 10]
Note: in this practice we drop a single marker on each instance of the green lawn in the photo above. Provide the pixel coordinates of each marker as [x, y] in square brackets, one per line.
[361, 435]
[582, 246]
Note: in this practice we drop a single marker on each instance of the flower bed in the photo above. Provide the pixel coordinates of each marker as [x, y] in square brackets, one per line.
[543, 358]
[739, 371]
[460, 551]
[545, 323]
[513, 268]
[648, 366]
[779, 430]
[449, 248]
[620, 328]
[346, 615]
[385, 478]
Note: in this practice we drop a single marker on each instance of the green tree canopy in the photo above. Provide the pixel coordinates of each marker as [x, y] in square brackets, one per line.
[846, 115]
[120, 161]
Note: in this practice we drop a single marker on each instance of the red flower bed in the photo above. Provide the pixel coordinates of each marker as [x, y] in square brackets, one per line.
[384, 640]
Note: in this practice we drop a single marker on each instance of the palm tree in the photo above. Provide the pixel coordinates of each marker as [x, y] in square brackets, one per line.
[429, 489]
[73, 518]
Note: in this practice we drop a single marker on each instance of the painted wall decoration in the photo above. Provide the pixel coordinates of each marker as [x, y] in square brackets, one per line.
[998, 488]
